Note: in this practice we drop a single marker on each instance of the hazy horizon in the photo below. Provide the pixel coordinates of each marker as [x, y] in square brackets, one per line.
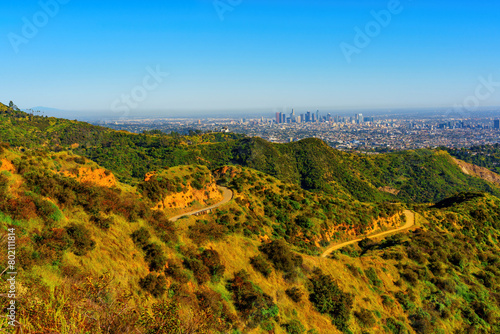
[481, 112]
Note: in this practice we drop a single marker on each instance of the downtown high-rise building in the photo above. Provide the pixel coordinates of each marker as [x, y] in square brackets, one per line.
[358, 118]
[308, 116]
[496, 124]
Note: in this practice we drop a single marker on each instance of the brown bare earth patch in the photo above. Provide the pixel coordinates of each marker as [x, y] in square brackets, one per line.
[480, 172]
[148, 176]
[185, 198]
[7, 166]
[381, 224]
[389, 190]
[410, 222]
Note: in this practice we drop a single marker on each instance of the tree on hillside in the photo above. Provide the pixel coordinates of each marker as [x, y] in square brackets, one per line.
[13, 106]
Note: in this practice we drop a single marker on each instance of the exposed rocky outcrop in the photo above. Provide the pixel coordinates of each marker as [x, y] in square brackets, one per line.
[477, 171]
[189, 196]
[97, 176]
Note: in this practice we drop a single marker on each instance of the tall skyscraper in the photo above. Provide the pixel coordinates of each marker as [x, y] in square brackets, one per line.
[496, 124]
[359, 118]
[278, 117]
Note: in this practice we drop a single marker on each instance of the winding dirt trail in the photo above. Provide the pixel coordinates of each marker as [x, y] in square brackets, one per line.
[227, 195]
[410, 221]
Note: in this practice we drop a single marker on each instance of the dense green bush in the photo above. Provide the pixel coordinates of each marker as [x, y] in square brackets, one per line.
[141, 237]
[50, 246]
[444, 284]
[155, 257]
[395, 327]
[327, 297]
[367, 244]
[4, 147]
[365, 318]
[175, 270]
[200, 271]
[421, 323]
[81, 236]
[371, 274]
[416, 254]
[281, 256]
[164, 228]
[295, 294]
[154, 284]
[304, 222]
[410, 276]
[204, 231]
[211, 260]
[224, 319]
[254, 305]
[294, 327]
[101, 221]
[260, 264]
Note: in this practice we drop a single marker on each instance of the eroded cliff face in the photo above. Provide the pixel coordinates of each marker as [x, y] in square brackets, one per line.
[208, 194]
[183, 187]
[97, 176]
[378, 225]
[477, 171]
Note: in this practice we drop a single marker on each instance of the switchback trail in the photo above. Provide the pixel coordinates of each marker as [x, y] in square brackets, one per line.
[227, 195]
[410, 221]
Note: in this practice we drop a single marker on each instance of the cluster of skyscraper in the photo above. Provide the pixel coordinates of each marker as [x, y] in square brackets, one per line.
[311, 117]
[292, 118]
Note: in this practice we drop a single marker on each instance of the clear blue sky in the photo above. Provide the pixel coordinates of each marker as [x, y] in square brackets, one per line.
[264, 54]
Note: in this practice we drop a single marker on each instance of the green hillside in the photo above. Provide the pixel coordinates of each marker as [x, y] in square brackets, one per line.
[101, 252]
[410, 176]
[487, 156]
[94, 254]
